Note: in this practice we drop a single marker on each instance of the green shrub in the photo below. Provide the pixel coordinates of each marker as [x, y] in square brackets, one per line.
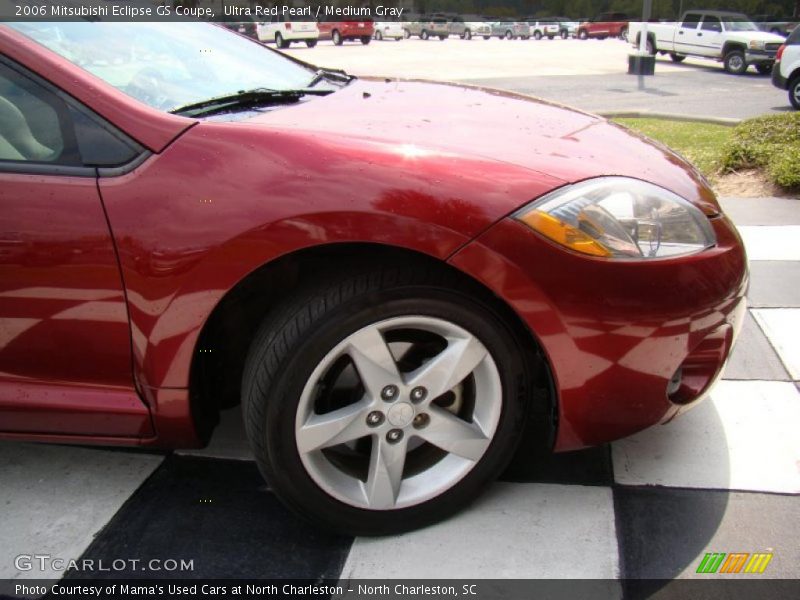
[771, 142]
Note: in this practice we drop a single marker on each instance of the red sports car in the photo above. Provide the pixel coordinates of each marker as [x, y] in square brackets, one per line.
[189, 220]
[342, 31]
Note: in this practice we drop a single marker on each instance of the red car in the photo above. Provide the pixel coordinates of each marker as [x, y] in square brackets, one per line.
[605, 25]
[342, 31]
[392, 304]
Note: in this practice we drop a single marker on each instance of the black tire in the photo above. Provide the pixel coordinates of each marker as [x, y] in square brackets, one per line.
[794, 92]
[467, 34]
[734, 62]
[677, 58]
[365, 39]
[537, 35]
[764, 69]
[280, 42]
[550, 37]
[623, 34]
[649, 45]
[311, 43]
[564, 34]
[293, 341]
[443, 37]
[337, 38]
[487, 37]
[406, 33]
[423, 35]
[583, 34]
[378, 35]
[509, 35]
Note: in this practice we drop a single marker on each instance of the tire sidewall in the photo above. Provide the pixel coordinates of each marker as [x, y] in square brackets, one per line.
[794, 91]
[286, 469]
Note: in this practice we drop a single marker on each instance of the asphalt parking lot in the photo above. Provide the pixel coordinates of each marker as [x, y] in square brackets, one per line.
[591, 75]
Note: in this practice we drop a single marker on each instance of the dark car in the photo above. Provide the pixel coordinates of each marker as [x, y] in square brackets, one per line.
[246, 27]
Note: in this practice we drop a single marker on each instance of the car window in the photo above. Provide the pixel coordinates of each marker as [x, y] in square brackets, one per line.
[690, 21]
[794, 37]
[32, 122]
[167, 65]
[711, 24]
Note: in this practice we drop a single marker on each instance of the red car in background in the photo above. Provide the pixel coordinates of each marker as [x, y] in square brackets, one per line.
[341, 31]
[394, 306]
[612, 24]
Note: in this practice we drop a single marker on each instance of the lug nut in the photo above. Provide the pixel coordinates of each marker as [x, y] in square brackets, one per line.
[374, 418]
[389, 393]
[394, 436]
[421, 420]
[418, 394]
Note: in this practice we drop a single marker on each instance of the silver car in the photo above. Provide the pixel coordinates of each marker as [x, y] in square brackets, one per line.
[427, 27]
[511, 30]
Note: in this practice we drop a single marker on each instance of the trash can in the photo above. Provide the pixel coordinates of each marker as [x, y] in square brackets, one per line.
[641, 64]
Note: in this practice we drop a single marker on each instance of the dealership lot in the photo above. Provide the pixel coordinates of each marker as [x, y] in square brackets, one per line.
[590, 75]
[722, 478]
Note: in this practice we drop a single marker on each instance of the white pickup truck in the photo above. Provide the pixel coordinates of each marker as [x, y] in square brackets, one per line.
[721, 35]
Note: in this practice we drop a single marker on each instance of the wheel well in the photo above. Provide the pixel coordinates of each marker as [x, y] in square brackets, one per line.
[217, 366]
[732, 46]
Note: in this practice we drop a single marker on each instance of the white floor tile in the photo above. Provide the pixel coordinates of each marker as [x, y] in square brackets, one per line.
[771, 242]
[54, 499]
[744, 437]
[514, 530]
[228, 440]
[782, 328]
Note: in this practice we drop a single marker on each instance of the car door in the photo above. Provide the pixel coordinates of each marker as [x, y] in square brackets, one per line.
[709, 36]
[686, 36]
[65, 344]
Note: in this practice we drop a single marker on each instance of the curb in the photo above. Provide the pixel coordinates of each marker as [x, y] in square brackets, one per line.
[646, 114]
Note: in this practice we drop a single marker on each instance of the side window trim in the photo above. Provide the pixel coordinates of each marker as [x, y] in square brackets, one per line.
[33, 168]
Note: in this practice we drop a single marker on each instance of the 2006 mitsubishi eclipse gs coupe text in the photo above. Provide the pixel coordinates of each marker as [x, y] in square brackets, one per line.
[189, 220]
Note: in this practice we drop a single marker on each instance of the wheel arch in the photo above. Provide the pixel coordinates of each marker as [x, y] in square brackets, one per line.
[730, 46]
[217, 362]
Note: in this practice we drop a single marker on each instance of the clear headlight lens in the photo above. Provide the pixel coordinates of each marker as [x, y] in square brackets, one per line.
[619, 217]
[757, 44]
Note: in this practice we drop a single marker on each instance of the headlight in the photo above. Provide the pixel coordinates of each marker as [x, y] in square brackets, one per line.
[619, 217]
[756, 44]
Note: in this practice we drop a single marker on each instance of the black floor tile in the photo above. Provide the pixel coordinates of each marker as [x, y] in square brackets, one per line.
[665, 532]
[583, 467]
[219, 514]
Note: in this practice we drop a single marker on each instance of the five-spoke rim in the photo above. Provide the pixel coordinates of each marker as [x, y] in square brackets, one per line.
[398, 412]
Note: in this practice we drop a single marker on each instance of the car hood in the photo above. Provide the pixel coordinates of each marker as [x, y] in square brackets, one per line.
[550, 140]
[759, 36]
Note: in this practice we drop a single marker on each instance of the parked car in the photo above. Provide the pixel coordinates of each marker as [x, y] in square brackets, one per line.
[567, 28]
[427, 27]
[777, 25]
[539, 29]
[455, 24]
[388, 30]
[346, 31]
[605, 25]
[724, 36]
[247, 27]
[393, 305]
[476, 26]
[283, 33]
[786, 72]
[511, 30]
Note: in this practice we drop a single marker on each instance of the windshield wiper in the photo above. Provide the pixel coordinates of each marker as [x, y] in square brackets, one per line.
[245, 98]
[331, 75]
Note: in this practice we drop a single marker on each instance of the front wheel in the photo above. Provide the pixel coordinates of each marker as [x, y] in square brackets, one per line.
[677, 58]
[424, 35]
[443, 37]
[365, 39]
[467, 35]
[406, 33]
[564, 34]
[734, 62]
[537, 35]
[487, 37]
[380, 403]
[280, 42]
[378, 35]
[311, 43]
[337, 38]
[794, 92]
[623, 34]
[764, 69]
[583, 35]
[509, 35]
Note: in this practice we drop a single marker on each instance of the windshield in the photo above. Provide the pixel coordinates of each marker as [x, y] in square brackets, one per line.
[167, 65]
[739, 24]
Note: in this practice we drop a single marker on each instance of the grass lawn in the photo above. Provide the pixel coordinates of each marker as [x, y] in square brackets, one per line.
[700, 143]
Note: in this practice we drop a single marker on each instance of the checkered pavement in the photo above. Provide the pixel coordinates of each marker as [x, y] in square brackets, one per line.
[725, 477]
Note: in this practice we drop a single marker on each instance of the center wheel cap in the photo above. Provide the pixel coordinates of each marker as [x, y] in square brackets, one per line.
[401, 414]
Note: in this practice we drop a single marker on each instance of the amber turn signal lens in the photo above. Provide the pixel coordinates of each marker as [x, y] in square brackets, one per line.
[563, 233]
